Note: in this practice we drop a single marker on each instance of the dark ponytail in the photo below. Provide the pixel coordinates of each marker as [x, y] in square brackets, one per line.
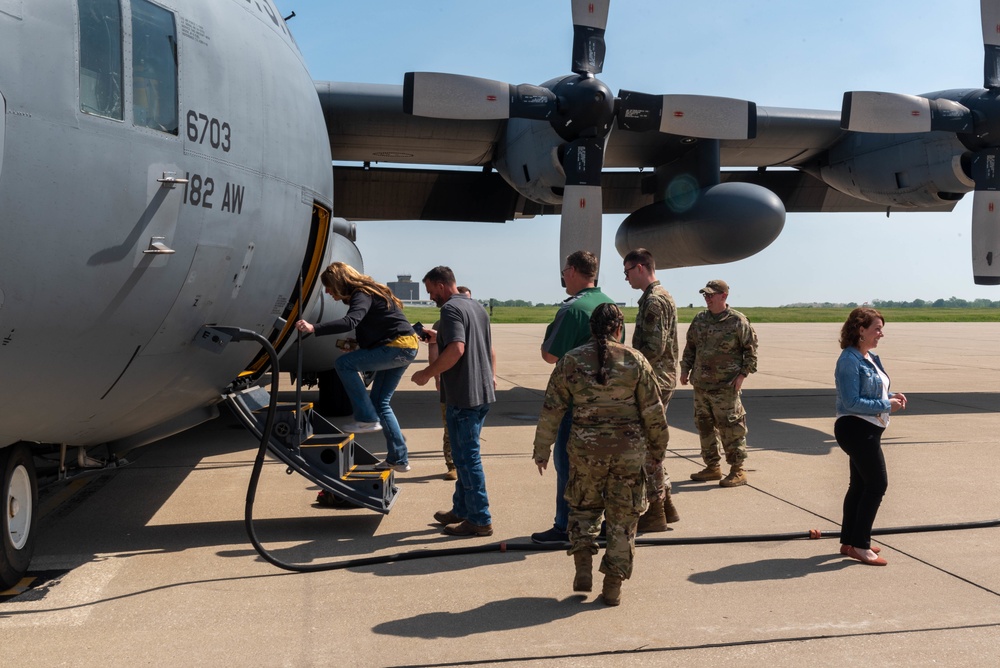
[605, 322]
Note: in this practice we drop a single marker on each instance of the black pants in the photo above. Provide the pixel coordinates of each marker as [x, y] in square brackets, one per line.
[862, 441]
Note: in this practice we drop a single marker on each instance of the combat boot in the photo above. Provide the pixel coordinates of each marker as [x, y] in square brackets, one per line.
[669, 511]
[584, 578]
[737, 476]
[712, 472]
[653, 520]
[612, 591]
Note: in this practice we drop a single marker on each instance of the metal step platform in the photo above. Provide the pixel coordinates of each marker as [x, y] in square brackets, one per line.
[317, 450]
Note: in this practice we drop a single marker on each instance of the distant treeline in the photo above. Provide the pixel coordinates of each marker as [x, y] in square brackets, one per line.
[512, 302]
[951, 302]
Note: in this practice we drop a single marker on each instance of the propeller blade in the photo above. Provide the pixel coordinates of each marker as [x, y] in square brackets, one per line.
[986, 217]
[868, 111]
[702, 116]
[532, 102]
[455, 96]
[582, 206]
[580, 227]
[990, 13]
[583, 161]
[986, 237]
[436, 95]
[590, 18]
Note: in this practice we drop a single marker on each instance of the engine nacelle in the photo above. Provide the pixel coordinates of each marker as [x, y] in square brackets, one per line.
[723, 223]
[906, 171]
[528, 159]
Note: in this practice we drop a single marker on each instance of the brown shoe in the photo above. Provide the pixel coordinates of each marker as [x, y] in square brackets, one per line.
[467, 528]
[612, 591]
[853, 553]
[446, 517]
[583, 580]
[653, 520]
[451, 474]
[669, 511]
[844, 549]
[737, 476]
[708, 473]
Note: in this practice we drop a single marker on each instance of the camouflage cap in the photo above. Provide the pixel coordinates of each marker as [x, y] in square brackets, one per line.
[715, 288]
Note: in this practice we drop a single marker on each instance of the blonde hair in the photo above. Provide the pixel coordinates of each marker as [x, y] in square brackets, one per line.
[343, 281]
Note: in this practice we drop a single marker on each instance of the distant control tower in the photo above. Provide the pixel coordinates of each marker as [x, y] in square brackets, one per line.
[406, 289]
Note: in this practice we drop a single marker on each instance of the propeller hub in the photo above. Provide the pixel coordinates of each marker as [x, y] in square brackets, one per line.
[586, 108]
[985, 107]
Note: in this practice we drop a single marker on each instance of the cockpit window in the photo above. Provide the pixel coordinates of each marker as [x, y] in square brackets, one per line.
[154, 67]
[101, 58]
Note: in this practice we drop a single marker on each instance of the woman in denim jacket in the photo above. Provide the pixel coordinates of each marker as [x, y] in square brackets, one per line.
[863, 407]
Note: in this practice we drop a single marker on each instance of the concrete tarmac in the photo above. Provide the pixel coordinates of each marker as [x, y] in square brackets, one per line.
[155, 568]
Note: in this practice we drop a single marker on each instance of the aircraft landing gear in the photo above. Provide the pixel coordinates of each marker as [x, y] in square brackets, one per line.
[20, 499]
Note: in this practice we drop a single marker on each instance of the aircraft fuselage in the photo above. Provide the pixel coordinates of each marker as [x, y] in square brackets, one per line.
[111, 156]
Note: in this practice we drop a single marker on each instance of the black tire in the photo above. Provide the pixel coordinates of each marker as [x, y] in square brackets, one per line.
[333, 400]
[20, 516]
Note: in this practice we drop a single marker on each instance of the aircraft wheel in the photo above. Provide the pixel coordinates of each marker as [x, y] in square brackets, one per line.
[333, 400]
[20, 499]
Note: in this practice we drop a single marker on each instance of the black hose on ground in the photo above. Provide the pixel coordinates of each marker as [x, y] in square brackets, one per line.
[258, 465]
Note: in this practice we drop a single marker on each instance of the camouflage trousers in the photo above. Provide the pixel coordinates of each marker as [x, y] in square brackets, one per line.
[719, 417]
[657, 477]
[446, 442]
[612, 486]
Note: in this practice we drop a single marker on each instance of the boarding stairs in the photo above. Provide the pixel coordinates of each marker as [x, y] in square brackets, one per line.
[316, 449]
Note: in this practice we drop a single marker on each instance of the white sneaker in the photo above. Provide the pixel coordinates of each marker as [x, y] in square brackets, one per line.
[361, 427]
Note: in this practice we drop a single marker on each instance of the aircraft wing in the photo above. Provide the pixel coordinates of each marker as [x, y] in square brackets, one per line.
[367, 125]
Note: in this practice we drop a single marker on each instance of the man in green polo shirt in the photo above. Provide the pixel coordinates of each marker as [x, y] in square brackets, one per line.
[571, 328]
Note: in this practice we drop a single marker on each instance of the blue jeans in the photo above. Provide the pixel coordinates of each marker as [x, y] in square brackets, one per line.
[389, 364]
[469, 500]
[560, 458]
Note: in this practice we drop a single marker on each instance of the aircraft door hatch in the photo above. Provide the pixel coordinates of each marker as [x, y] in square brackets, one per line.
[204, 287]
[312, 266]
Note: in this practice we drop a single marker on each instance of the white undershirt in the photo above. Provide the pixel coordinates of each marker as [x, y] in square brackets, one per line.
[882, 419]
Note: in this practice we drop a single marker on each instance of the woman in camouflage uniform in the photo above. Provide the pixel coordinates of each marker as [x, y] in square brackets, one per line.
[617, 417]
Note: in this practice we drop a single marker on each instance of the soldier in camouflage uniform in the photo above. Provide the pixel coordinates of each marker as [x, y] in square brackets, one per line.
[721, 351]
[617, 423]
[655, 336]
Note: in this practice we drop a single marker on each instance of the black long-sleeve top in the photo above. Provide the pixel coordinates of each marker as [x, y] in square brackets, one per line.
[375, 322]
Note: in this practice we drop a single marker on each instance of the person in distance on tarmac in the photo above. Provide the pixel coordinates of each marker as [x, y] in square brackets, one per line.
[719, 354]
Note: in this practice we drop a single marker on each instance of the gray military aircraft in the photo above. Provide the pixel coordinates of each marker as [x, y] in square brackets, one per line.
[157, 176]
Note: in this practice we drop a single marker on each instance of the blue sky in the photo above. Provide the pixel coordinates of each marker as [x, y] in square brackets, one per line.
[778, 53]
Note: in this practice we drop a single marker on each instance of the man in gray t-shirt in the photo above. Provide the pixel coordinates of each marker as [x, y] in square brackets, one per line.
[469, 382]
[465, 365]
